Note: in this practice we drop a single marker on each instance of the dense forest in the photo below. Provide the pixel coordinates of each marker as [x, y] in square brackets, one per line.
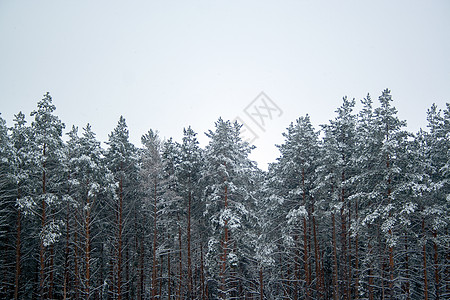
[356, 210]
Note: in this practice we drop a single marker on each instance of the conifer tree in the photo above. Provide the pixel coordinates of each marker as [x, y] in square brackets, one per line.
[121, 159]
[24, 188]
[88, 183]
[188, 175]
[296, 175]
[151, 175]
[229, 209]
[48, 150]
[339, 146]
[6, 209]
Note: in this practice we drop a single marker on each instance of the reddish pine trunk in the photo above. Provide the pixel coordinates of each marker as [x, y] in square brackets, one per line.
[425, 276]
[127, 271]
[119, 243]
[319, 279]
[66, 255]
[370, 275]
[335, 275]
[18, 254]
[391, 250]
[407, 287]
[155, 231]
[305, 241]
[189, 262]
[76, 268]
[202, 274]
[169, 279]
[43, 220]
[141, 271]
[344, 242]
[225, 246]
[52, 283]
[180, 262]
[160, 275]
[88, 250]
[296, 268]
[261, 286]
[356, 255]
[436, 266]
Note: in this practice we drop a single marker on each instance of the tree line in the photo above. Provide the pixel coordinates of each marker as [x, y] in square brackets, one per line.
[356, 210]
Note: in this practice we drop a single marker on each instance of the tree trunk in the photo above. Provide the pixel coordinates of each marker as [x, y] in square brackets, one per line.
[169, 279]
[356, 254]
[225, 247]
[52, 271]
[319, 279]
[407, 286]
[119, 242]
[141, 270]
[43, 221]
[88, 249]
[335, 273]
[202, 274]
[261, 286]
[436, 266]
[66, 255]
[76, 268]
[189, 261]
[344, 242]
[180, 262]
[305, 241]
[370, 274]
[18, 254]
[296, 266]
[155, 231]
[425, 276]
[391, 250]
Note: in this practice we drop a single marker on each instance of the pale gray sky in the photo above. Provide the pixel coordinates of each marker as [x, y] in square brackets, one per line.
[169, 64]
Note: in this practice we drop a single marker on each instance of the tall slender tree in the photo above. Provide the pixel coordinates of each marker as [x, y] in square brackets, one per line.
[47, 138]
[229, 208]
[121, 159]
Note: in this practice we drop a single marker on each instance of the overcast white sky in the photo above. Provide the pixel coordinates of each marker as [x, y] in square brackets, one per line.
[169, 64]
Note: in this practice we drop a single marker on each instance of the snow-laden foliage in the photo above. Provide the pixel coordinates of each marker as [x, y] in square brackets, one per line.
[357, 210]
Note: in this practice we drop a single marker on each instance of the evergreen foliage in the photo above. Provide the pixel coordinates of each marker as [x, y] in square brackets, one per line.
[358, 210]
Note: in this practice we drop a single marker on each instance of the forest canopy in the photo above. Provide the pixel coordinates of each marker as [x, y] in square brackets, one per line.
[356, 210]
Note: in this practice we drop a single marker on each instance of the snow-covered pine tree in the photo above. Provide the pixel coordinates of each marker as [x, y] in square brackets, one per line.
[294, 177]
[90, 181]
[172, 224]
[365, 232]
[381, 144]
[188, 174]
[392, 141]
[151, 177]
[7, 211]
[435, 146]
[339, 154]
[121, 160]
[228, 211]
[24, 189]
[49, 152]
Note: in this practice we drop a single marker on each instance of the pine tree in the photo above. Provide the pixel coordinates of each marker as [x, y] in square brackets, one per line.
[88, 183]
[121, 160]
[188, 175]
[6, 210]
[296, 175]
[24, 188]
[47, 133]
[339, 146]
[151, 181]
[229, 209]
